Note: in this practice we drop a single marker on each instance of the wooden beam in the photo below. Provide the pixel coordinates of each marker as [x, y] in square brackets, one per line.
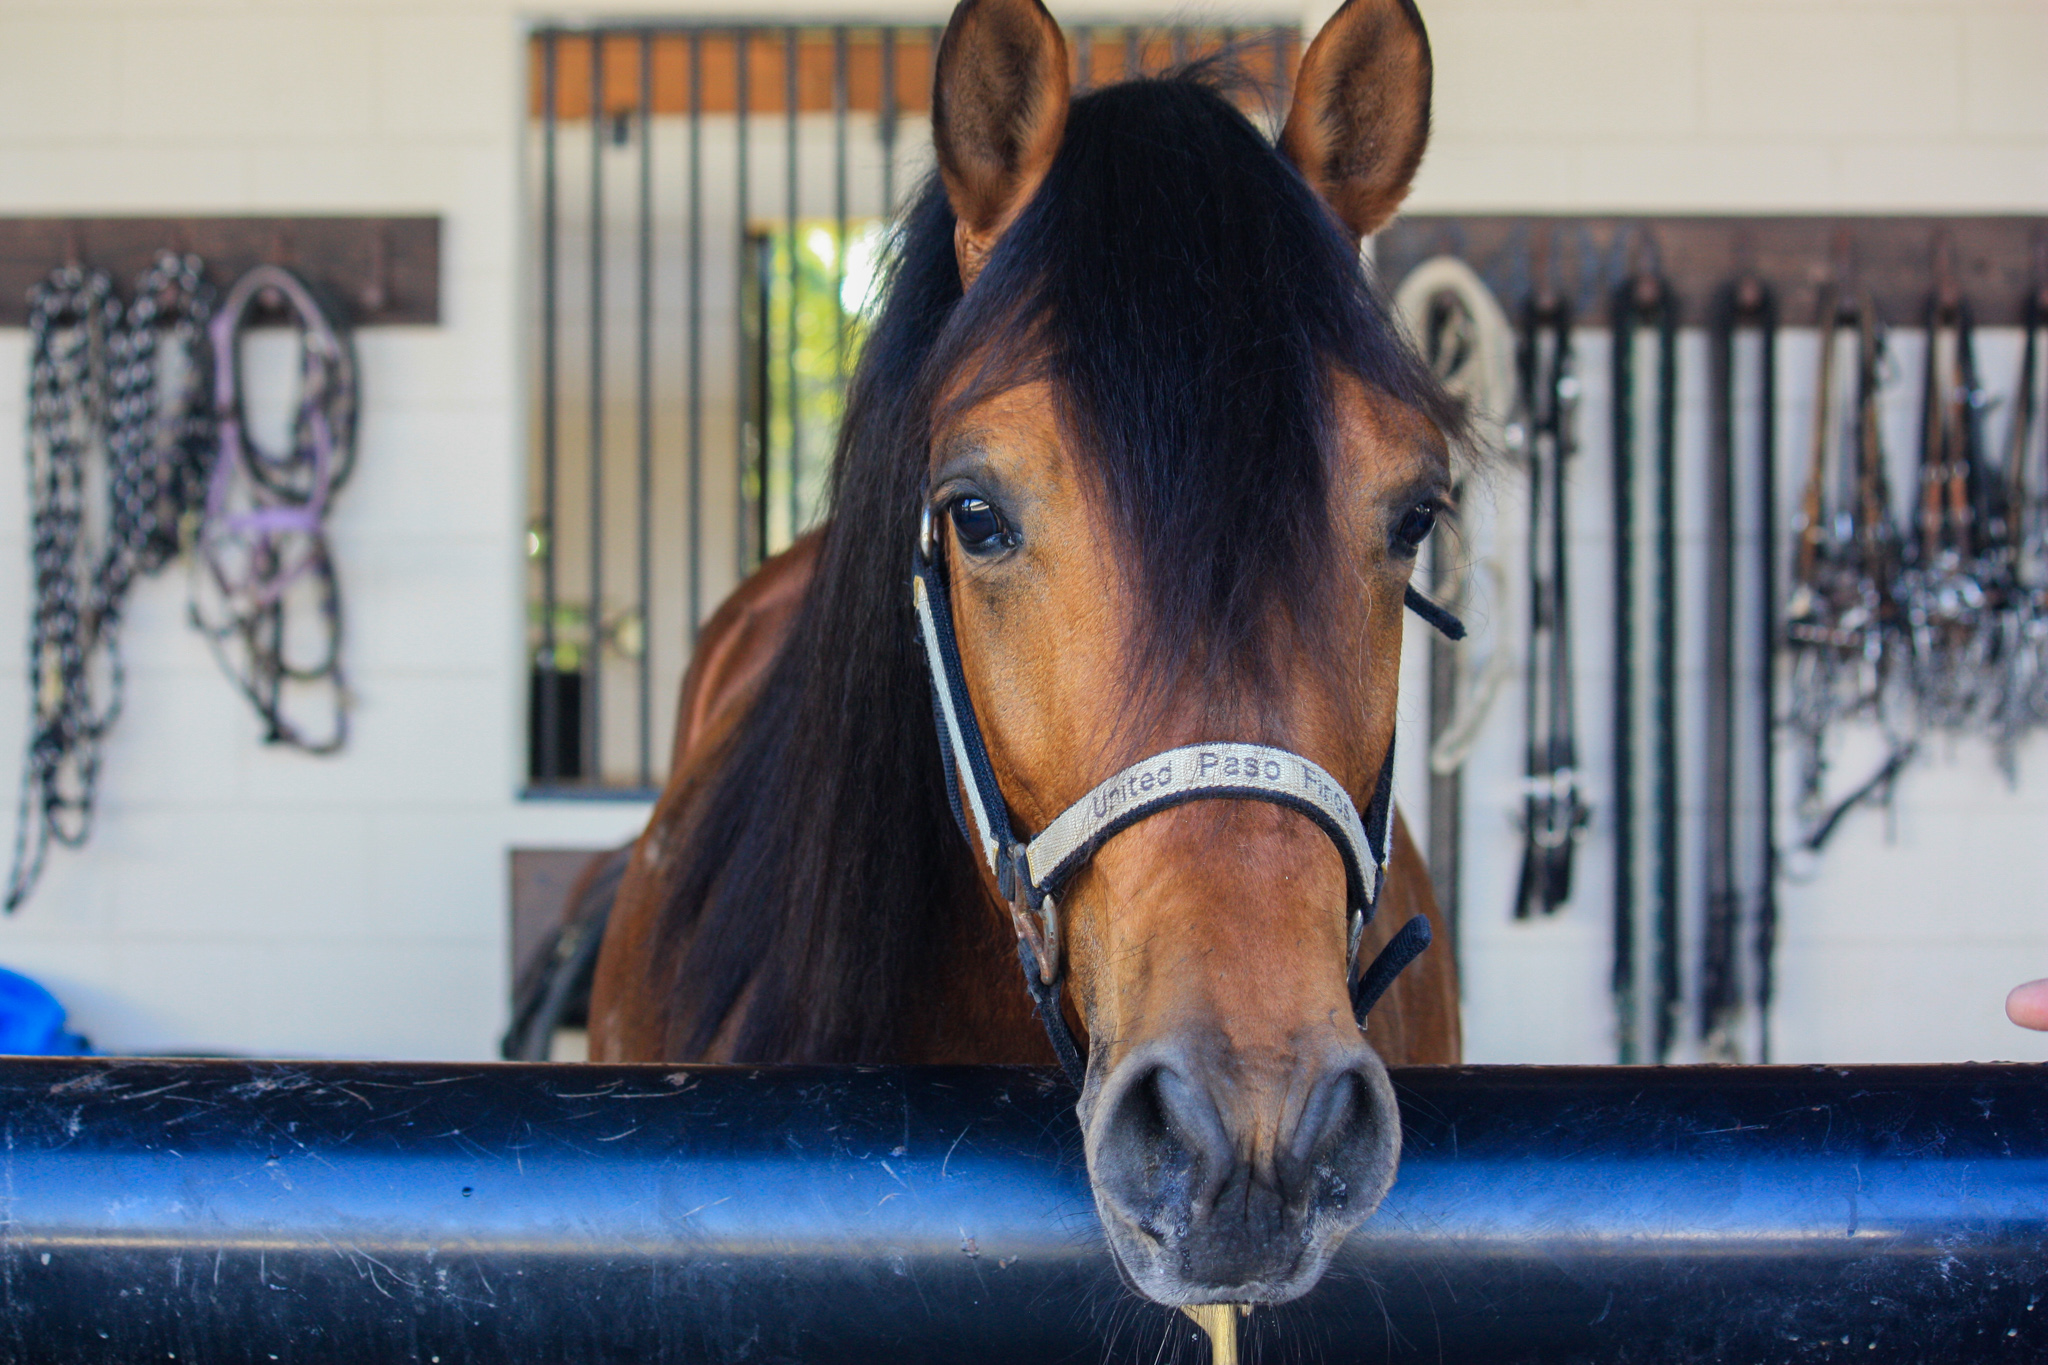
[380, 270]
[1257, 50]
[1995, 260]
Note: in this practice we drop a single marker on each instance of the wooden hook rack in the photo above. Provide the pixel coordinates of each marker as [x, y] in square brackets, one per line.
[1993, 261]
[382, 270]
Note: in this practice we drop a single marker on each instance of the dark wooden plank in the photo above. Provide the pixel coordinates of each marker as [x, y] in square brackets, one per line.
[1995, 260]
[382, 270]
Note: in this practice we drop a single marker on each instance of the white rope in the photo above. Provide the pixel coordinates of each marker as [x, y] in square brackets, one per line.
[1464, 334]
[1476, 692]
[1481, 368]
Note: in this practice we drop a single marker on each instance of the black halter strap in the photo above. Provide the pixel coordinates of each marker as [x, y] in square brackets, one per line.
[1029, 877]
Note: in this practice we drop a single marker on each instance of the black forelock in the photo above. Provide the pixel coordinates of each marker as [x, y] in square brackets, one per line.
[1190, 297]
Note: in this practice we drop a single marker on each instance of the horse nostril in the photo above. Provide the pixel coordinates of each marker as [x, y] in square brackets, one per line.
[1338, 1116]
[1334, 1141]
[1163, 1149]
[1332, 1114]
[1192, 1118]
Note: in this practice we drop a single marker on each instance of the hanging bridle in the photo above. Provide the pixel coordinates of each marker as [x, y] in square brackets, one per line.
[1030, 876]
[265, 529]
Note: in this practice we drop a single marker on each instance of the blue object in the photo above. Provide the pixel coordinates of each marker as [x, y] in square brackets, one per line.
[32, 1022]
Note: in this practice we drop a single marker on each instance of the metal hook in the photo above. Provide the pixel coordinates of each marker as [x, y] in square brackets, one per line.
[270, 298]
[1449, 239]
[1542, 286]
[1646, 269]
[1841, 275]
[1948, 294]
[376, 292]
[1750, 286]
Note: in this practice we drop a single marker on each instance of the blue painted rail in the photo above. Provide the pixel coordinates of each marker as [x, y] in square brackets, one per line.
[359, 1213]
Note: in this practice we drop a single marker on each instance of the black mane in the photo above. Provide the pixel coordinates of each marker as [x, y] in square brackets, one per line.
[1187, 294]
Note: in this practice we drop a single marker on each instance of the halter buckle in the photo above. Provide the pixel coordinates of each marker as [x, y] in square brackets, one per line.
[1039, 930]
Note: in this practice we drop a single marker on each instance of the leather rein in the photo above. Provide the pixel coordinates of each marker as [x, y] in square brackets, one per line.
[1031, 875]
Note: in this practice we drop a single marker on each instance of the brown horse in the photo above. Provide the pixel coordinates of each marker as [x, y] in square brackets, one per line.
[1133, 398]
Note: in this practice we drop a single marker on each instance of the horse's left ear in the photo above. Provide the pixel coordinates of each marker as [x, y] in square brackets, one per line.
[1361, 110]
[999, 110]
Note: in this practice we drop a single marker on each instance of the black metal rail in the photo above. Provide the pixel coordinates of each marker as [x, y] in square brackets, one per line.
[215, 1211]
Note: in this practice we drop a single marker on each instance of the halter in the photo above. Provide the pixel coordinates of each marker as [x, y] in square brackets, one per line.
[265, 526]
[1030, 876]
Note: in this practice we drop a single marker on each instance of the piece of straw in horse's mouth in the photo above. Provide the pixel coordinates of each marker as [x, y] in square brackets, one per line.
[1219, 1320]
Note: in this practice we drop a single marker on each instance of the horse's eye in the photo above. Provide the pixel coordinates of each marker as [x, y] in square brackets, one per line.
[1415, 527]
[980, 528]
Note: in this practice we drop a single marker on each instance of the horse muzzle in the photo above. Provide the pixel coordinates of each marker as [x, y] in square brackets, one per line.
[1219, 1186]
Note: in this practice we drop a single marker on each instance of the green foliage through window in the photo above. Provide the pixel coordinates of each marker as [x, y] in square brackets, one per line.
[808, 301]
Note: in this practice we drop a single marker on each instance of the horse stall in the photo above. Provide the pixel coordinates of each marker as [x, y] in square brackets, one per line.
[465, 442]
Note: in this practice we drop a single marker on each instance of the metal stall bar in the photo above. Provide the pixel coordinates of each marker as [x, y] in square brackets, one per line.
[593, 666]
[743, 428]
[839, 202]
[693, 345]
[644, 384]
[791, 169]
[885, 127]
[354, 1212]
[547, 700]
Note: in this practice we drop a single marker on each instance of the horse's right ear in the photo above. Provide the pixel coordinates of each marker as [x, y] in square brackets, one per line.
[1361, 110]
[999, 110]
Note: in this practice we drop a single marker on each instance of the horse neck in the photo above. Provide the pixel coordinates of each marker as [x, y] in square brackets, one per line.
[980, 1014]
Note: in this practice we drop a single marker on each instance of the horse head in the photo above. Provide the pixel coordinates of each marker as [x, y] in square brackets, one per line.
[1177, 479]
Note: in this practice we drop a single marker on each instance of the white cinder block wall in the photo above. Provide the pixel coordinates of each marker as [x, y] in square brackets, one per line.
[1903, 943]
[239, 898]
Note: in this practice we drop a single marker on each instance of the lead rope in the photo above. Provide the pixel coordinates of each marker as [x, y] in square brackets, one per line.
[73, 316]
[265, 528]
[1646, 308]
[1554, 816]
[160, 444]
[131, 386]
[1467, 341]
[1741, 855]
[161, 438]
